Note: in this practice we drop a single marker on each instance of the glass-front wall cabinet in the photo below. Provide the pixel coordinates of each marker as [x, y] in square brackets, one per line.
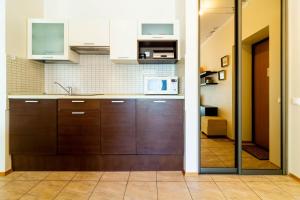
[156, 30]
[47, 39]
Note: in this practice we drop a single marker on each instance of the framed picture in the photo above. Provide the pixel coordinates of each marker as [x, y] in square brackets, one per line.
[222, 75]
[225, 61]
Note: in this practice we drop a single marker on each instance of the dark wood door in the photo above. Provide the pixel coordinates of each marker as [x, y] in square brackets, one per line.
[118, 127]
[261, 94]
[79, 127]
[160, 127]
[33, 126]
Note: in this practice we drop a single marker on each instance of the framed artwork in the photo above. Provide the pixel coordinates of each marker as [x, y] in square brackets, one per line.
[225, 61]
[222, 75]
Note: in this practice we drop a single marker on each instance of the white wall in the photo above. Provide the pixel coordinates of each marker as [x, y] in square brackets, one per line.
[294, 89]
[130, 9]
[4, 166]
[18, 11]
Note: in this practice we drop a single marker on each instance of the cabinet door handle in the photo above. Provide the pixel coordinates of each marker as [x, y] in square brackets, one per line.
[89, 43]
[78, 113]
[159, 101]
[31, 101]
[78, 101]
[47, 57]
[123, 57]
[118, 101]
[157, 37]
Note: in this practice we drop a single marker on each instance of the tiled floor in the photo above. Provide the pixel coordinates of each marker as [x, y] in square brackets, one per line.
[219, 152]
[145, 186]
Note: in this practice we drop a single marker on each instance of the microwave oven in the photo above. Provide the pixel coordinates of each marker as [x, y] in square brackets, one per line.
[161, 85]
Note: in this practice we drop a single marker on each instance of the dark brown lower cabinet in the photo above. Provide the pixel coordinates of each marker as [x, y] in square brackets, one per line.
[118, 127]
[32, 126]
[113, 135]
[160, 127]
[79, 127]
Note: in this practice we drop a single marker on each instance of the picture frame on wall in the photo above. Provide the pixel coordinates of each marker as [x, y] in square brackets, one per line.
[222, 75]
[225, 61]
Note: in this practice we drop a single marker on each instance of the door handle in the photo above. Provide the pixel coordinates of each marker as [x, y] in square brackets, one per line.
[118, 101]
[31, 101]
[160, 101]
[78, 113]
[78, 101]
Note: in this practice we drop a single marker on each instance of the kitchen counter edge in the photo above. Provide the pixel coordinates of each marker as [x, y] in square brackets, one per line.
[96, 97]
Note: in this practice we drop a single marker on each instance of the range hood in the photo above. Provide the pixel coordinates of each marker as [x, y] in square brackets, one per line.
[91, 50]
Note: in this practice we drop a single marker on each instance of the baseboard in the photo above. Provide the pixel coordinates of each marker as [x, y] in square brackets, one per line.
[294, 177]
[6, 173]
[191, 174]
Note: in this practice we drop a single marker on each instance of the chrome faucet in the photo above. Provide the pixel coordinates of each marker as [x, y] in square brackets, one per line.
[67, 89]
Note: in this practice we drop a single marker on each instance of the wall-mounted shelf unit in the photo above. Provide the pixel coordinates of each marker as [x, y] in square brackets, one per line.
[207, 84]
[207, 73]
[158, 52]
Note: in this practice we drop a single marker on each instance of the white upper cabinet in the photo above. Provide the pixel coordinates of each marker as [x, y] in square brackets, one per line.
[123, 41]
[158, 30]
[48, 40]
[88, 32]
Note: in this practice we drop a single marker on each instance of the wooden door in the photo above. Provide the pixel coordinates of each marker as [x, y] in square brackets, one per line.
[160, 127]
[261, 94]
[118, 127]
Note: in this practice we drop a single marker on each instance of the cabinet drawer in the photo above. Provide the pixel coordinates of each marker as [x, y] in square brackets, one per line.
[79, 118]
[117, 105]
[71, 104]
[32, 107]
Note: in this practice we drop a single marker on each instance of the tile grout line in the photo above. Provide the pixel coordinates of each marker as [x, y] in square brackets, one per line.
[222, 192]
[188, 188]
[96, 185]
[126, 185]
[246, 183]
[156, 185]
[67, 183]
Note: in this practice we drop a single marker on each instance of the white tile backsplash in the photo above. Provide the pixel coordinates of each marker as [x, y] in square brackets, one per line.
[97, 74]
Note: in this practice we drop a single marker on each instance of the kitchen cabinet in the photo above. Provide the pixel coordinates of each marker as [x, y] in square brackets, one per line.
[79, 127]
[158, 30]
[88, 32]
[123, 41]
[118, 127]
[33, 126]
[48, 40]
[159, 127]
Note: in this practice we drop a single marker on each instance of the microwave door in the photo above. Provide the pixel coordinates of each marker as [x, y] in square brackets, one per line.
[157, 86]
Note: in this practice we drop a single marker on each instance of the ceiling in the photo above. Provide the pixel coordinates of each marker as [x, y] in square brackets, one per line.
[214, 13]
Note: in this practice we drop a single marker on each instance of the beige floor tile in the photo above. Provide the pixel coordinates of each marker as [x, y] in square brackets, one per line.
[230, 178]
[173, 191]
[109, 191]
[87, 176]
[72, 196]
[292, 188]
[60, 176]
[84, 187]
[115, 176]
[205, 191]
[235, 191]
[251, 178]
[31, 197]
[198, 178]
[19, 186]
[10, 195]
[33, 176]
[279, 178]
[141, 190]
[46, 189]
[170, 176]
[269, 191]
[2, 183]
[11, 176]
[143, 176]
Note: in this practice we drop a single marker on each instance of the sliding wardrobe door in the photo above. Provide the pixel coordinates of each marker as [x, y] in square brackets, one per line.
[217, 89]
[261, 86]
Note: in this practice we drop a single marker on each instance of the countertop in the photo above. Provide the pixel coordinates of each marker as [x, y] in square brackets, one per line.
[105, 96]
